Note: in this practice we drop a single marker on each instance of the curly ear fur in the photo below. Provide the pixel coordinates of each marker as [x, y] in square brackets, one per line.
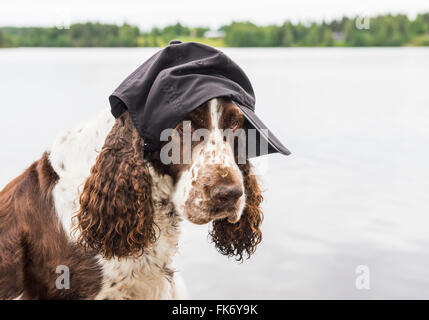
[116, 213]
[240, 239]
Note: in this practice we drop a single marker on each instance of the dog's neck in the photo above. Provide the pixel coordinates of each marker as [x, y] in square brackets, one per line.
[72, 157]
[150, 276]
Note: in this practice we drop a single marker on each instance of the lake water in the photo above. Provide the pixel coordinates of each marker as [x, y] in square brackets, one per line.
[354, 192]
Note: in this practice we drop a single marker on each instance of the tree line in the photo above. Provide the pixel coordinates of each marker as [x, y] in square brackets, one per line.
[382, 30]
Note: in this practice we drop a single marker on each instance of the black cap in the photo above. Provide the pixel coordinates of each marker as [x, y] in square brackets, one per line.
[176, 80]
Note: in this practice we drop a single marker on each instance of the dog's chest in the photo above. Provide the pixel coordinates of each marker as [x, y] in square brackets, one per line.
[147, 277]
[150, 276]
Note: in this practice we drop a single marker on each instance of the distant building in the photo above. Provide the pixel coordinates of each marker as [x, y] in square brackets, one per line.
[338, 36]
[211, 34]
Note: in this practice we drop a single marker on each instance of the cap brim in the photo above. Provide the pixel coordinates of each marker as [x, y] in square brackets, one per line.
[274, 144]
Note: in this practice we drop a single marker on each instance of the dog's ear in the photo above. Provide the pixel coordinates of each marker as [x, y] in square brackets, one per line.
[116, 213]
[240, 239]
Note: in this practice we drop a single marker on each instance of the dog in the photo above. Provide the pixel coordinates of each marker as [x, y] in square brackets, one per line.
[98, 217]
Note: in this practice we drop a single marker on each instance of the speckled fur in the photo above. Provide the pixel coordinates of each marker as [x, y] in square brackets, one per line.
[214, 154]
[152, 275]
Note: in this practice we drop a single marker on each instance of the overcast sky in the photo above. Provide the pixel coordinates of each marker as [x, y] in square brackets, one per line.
[211, 13]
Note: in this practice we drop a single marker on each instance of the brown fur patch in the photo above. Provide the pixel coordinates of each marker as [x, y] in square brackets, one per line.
[33, 243]
[241, 239]
[116, 211]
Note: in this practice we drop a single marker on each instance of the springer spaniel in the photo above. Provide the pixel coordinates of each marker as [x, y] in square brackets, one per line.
[99, 208]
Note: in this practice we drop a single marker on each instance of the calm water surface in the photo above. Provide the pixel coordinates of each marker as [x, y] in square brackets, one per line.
[354, 192]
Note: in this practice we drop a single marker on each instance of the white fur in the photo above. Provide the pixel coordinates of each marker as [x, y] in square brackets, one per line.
[72, 156]
[223, 154]
[18, 297]
[144, 278]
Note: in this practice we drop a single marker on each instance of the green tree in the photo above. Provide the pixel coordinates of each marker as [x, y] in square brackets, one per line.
[244, 34]
[286, 35]
[199, 31]
[127, 35]
[2, 40]
[312, 38]
[385, 30]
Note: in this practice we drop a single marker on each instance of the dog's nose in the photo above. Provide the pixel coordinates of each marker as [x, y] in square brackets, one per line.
[227, 193]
